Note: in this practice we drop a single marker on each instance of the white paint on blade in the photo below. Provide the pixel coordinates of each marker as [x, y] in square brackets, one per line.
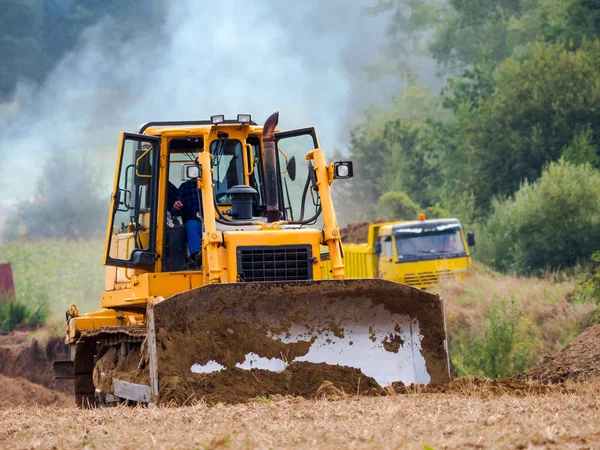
[253, 361]
[210, 367]
[362, 347]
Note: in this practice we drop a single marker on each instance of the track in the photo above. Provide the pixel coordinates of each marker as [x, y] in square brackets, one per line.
[90, 365]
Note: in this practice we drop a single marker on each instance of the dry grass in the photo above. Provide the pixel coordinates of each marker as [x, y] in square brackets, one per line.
[558, 420]
[549, 318]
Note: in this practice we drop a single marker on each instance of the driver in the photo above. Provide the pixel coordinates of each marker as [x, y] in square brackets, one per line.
[189, 206]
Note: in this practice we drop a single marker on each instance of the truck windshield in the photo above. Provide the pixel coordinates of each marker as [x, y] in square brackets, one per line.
[446, 244]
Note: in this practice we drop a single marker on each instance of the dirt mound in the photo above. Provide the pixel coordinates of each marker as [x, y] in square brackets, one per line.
[483, 387]
[19, 391]
[34, 362]
[301, 379]
[356, 233]
[580, 360]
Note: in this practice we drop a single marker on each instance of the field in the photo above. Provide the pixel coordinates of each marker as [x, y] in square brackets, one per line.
[536, 317]
[471, 419]
[57, 273]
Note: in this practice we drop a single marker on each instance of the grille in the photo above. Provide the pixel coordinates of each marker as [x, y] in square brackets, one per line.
[427, 278]
[282, 263]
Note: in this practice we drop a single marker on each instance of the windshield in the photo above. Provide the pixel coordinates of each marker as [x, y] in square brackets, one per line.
[430, 245]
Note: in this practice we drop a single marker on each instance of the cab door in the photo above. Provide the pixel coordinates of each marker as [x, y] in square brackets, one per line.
[386, 258]
[131, 232]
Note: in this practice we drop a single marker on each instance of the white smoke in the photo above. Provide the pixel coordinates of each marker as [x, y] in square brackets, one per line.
[305, 60]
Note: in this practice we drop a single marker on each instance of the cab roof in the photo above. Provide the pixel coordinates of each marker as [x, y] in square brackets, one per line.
[429, 225]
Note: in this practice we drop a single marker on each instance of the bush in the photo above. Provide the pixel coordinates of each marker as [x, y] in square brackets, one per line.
[396, 205]
[587, 288]
[506, 346]
[14, 312]
[550, 224]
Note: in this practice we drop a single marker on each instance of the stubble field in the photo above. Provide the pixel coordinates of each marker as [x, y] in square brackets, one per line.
[477, 417]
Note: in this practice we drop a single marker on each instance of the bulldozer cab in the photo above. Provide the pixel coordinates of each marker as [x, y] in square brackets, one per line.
[145, 231]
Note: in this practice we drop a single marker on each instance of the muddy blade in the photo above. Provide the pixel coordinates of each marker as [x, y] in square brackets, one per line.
[390, 332]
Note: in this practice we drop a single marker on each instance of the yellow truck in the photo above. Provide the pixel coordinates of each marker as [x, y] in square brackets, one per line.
[418, 253]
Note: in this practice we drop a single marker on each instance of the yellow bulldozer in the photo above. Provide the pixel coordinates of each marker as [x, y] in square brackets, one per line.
[218, 281]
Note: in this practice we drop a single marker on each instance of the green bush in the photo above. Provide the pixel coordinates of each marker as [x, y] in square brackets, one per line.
[395, 205]
[549, 224]
[587, 288]
[506, 345]
[14, 312]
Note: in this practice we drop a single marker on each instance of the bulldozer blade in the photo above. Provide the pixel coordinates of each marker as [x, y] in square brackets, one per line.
[390, 332]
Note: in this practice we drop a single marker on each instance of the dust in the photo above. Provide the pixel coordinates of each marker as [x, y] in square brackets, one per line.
[357, 233]
[578, 361]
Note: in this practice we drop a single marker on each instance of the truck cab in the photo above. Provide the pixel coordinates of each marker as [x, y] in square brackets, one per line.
[422, 253]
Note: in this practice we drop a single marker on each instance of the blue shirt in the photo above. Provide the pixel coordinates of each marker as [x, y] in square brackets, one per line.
[188, 195]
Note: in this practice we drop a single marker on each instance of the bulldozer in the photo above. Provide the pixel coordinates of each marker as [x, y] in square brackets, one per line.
[233, 292]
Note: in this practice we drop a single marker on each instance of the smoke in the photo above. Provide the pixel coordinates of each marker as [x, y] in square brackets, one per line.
[304, 59]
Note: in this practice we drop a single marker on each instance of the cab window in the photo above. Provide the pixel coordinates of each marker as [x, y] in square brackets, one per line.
[228, 167]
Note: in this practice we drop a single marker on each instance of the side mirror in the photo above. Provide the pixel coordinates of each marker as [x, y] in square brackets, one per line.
[291, 168]
[378, 248]
[471, 239]
[343, 170]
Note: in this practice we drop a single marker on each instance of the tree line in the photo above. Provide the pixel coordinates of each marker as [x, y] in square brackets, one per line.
[509, 144]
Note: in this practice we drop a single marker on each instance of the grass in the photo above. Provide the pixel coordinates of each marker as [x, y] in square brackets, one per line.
[56, 273]
[502, 324]
[559, 420]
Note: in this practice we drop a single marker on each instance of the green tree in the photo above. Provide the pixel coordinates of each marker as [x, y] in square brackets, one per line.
[538, 109]
[396, 205]
[553, 222]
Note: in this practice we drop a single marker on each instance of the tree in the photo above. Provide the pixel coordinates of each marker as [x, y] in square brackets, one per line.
[67, 202]
[395, 205]
[553, 222]
[410, 20]
[538, 109]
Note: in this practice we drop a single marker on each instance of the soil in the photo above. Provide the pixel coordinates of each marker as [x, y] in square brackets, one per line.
[580, 360]
[26, 372]
[302, 379]
[356, 233]
[19, 391]
[18, 359]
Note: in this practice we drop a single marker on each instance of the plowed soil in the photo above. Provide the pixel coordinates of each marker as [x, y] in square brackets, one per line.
[578, 361]
[26, 372]
[19, 391]
[33, 361]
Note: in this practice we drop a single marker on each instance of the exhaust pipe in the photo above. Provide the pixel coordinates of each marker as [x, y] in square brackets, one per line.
[271, 185]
